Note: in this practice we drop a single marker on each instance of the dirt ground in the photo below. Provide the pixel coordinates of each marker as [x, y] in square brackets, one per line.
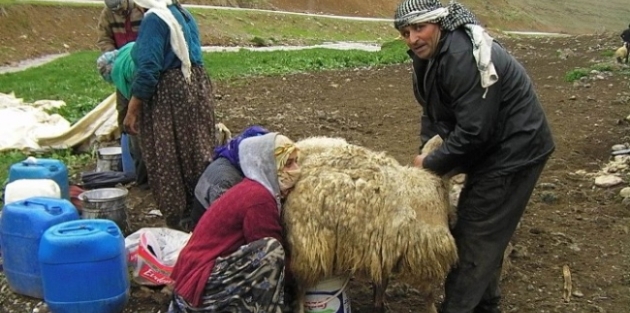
[569, 221]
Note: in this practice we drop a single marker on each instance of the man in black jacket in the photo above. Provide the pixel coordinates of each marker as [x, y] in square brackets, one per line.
[482, 103]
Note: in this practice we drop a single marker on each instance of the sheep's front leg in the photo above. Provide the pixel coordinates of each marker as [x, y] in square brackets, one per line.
[379, 296]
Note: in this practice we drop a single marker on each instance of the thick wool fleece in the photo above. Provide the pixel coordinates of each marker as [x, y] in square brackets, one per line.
[359, 212]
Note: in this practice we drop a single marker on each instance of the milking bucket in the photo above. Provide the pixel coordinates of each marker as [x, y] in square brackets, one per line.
[109, 159]
[106, 203]
[328, 296]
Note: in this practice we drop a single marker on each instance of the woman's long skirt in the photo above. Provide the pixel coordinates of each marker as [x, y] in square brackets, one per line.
[177, 138]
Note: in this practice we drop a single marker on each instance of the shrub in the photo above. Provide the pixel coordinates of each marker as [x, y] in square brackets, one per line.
[576, 74]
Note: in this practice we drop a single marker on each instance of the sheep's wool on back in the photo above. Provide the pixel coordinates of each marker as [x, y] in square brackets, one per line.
[359, 211]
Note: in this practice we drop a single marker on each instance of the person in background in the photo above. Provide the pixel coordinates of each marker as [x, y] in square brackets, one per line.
[116, 67]
[118, 25]
[625, 36]
[235, 260]
[171, 106]
[482, 103]
[223, 173]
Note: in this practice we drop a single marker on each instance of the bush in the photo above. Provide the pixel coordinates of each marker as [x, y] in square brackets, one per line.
[576, 74]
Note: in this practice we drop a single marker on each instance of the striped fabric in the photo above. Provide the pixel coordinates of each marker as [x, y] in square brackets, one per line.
[409, 10]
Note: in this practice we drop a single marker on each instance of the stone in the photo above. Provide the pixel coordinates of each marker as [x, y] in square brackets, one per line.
[608, 181]
[625, 192]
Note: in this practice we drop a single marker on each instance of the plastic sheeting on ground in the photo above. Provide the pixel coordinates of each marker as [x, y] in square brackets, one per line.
[28, 126]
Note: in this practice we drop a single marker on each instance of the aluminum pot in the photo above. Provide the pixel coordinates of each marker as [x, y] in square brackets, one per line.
[106, 203]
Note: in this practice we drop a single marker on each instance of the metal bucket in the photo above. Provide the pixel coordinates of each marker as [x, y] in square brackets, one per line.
[109, 159]
[107, 203]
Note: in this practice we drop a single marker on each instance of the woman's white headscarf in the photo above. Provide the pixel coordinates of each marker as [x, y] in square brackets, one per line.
[178, 42]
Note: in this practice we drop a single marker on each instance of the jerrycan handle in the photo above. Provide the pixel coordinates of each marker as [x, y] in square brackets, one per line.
[86, 228]
[77, 228]
[52, 209]
[113, 230]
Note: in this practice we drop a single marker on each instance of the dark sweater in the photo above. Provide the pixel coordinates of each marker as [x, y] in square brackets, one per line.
[218, 177]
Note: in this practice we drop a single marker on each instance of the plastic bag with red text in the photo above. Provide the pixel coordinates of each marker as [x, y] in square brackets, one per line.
[152, 253]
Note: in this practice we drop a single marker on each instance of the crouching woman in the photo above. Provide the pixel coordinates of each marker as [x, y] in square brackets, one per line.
[235, 258]
[222, 174]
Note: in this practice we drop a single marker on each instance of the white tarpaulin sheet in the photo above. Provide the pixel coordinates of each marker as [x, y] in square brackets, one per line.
[29, 126]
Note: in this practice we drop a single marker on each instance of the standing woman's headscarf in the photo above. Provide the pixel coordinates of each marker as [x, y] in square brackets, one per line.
[450, 18]
[178, 42]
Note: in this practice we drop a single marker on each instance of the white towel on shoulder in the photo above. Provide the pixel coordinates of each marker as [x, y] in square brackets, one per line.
[482, 52]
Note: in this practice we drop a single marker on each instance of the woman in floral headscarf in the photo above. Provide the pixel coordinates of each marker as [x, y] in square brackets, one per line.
[235, 259]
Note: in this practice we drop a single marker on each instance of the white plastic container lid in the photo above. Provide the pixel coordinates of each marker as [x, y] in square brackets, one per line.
[110, 151]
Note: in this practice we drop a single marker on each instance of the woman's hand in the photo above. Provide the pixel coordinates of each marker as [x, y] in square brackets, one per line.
[132, 118]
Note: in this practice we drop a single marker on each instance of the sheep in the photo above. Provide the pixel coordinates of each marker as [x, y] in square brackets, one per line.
[454, 181]
[359, 212]
[622, 54]
[319, 144]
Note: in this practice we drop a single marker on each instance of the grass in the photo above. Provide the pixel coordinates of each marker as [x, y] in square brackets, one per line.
[74, 79]
[247, 24]
[82, 88]
[578, 73]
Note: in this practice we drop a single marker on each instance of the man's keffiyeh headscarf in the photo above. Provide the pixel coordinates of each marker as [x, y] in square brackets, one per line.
[431, 11]
[449, 18]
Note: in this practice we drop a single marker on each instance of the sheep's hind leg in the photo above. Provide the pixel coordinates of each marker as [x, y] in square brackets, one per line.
[300, 297]
[379, 296]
